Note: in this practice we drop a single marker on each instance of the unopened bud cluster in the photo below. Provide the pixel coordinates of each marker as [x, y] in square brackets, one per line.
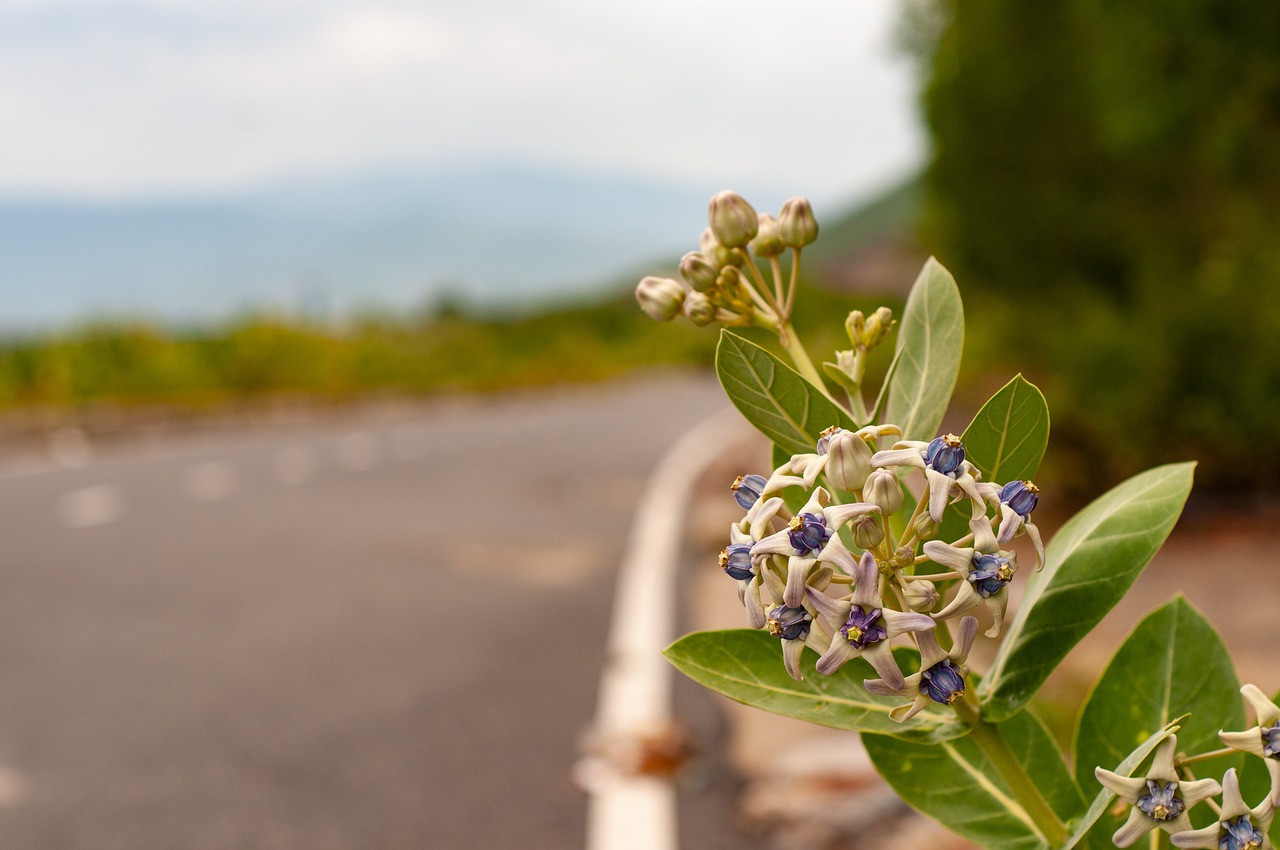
[720, 282]
[833, 575]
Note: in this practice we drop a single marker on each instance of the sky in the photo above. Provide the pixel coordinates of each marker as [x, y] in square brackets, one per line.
[140, 99]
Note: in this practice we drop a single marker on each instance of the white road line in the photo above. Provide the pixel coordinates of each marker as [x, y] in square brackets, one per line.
[359, 451]
[293, 465]
[90, 506]
[629, 811]
[209, 481]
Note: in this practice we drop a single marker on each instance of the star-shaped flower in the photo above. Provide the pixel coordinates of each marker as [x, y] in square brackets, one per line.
[1263, 739]
[986, 577]
[811, 537]
[941, 676]
[736, 560]
[948, 473]
[1015, 501]
[1159, 799]
[1238, 826]
[863, 626]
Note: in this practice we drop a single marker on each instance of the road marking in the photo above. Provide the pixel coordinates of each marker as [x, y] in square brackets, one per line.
[293, 465]
[13, 789]
[209, 481]
[629, 811]
[90, 506]
[359, 451]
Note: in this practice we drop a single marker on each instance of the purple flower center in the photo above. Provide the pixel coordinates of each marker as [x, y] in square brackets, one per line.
[1021, 497]
[1161, 802]
[735, 560]
[747, 490]
[808, 533]
[863, 627]
[1271, 741]
[944, 454]
[1239, 834]
[990, 573]
[943, 683]
[788, 623]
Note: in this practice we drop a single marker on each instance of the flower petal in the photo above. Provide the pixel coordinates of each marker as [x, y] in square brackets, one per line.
[1267, 711]
[900, 622]
[898, 457]
[1134, 828]
[903, 713]
[1233, 805]
[966, 599]
[965, 636]
[1248, 741]
[880, 657]
[791, 652]
[939, 493]
[1125, 787]
[797, 577]
[946, 555]
[1206, 838]
[837, 655]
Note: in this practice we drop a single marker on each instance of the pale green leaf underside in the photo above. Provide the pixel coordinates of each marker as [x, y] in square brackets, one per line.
[1090, 565]
[930, 344]
[956, 785]
[773, 397]
[746, 665]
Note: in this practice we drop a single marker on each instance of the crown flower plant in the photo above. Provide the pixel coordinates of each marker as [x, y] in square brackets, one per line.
[870, 557]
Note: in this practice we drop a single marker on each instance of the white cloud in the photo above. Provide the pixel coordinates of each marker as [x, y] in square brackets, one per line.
[199, 95]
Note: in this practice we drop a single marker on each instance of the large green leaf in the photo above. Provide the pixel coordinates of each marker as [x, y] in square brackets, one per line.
[1102, 801]
[1007, 439]
[956, 785]
[746, 665]
[1173, 664]
[772, 396]
[930, 342]
[1090, 565]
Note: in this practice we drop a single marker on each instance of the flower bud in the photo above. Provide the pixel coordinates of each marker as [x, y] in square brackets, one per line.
[883, 490]
[767, 242]
[868, 531]
[733, 221]
[920, 595]
[854, 326]
[698, 271]
[660, 297]
[796, 225]
[878, 324]
[707, 243]
[698, 309]
[729, 281]
[925, 526]
[848, 460]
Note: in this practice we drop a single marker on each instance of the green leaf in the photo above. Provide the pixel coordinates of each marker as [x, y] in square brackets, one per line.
[1007, 439]
[785, 407]
[1090, 565]
[1173, 664]
[1104, 797]
[930, 343]
[956, 785]
[746, 665]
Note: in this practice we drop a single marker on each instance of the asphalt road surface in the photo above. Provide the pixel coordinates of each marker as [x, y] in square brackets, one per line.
[384, 631]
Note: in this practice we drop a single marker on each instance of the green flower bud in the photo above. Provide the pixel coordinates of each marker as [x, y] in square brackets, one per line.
[883, 490]
[925, 526]
[796, 225]
[698, 271]
[767, 242]
[725, 257]
[733, 221]
[854, 326]
[699, 309]
[920, 595]
[867, 531]
[707, 244]
[878, 324]
[729, 281]
[660, 297]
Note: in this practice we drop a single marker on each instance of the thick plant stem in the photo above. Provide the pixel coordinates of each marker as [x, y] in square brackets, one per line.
[993, 745]
[800, 357]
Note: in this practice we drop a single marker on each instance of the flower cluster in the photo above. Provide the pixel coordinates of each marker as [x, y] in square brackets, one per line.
[856, 567]
[721, 281]
[1162, 798]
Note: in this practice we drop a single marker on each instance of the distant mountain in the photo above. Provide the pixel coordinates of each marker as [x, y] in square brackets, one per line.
[325, 248]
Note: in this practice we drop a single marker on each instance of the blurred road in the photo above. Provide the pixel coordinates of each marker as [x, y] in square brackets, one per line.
[384, 631]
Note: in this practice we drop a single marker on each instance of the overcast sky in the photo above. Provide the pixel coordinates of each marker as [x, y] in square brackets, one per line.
[133, 98]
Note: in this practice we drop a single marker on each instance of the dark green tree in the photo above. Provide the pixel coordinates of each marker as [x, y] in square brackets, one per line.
[1106, 175]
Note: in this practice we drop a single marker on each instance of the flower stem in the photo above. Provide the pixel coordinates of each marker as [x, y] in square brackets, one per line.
[1225, 751]
[800, 357]
[993, 745]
